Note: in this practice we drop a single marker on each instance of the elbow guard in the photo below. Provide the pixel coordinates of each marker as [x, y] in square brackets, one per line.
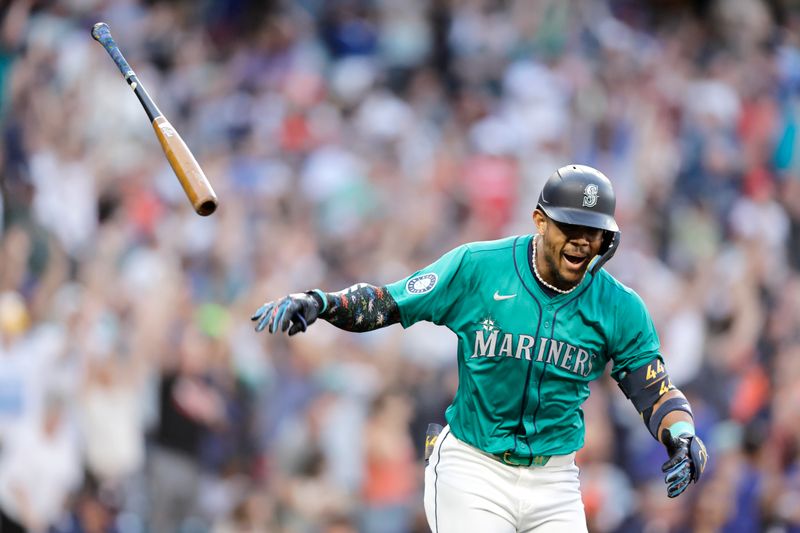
[645, 385]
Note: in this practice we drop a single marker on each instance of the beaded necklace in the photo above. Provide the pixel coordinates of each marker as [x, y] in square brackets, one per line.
[542, 281]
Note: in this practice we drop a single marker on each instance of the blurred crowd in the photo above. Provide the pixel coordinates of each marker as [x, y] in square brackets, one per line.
[358, 140]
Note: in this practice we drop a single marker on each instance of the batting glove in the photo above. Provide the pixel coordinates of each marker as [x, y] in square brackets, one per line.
[687, 460]
[294, 312]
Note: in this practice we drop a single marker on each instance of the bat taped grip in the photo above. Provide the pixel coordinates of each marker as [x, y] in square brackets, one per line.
[102, 34]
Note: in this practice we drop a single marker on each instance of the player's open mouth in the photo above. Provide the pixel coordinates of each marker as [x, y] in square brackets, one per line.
[574, 261]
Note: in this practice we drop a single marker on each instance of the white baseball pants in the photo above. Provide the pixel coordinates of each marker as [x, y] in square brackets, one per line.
[469, 491]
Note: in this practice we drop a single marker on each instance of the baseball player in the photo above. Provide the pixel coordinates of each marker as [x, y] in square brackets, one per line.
[537, 319]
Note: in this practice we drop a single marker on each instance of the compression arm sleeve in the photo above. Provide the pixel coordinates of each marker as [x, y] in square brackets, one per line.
[362, 307]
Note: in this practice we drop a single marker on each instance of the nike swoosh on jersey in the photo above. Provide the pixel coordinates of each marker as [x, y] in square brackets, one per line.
[498, 296]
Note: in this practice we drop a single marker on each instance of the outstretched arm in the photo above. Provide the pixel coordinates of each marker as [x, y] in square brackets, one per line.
[362, 307]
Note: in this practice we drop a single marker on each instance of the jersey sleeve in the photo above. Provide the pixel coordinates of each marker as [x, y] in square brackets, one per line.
[430, 293]
[634, 339]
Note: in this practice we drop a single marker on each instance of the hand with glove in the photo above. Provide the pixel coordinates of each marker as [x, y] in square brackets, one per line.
[294, 313]
[687, 460]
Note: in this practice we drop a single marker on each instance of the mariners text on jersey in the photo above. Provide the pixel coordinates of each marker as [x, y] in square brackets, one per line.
[561, 353]
[525, 358]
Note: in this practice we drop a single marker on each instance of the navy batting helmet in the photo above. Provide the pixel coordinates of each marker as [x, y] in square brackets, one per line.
[579, 195]
[583, 196]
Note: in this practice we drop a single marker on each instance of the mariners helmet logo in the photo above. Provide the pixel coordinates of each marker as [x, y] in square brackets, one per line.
[590, 195]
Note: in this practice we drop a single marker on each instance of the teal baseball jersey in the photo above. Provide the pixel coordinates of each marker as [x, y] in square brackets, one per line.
[525, 359]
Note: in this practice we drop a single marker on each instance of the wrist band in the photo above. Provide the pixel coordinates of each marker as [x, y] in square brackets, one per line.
[673, 404]
[323, 297]
[681, 428]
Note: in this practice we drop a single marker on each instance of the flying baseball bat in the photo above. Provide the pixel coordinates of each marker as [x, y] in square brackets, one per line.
[186, 168]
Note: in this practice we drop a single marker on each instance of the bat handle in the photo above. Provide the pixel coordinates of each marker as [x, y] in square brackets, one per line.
[102, 34]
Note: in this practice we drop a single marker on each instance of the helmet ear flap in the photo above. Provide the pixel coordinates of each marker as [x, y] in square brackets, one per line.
[608, 238]
[608, 249]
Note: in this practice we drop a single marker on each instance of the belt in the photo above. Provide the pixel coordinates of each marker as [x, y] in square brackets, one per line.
[511, 459]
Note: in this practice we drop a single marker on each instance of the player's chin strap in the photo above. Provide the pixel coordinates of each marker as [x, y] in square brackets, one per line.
[608, 254]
